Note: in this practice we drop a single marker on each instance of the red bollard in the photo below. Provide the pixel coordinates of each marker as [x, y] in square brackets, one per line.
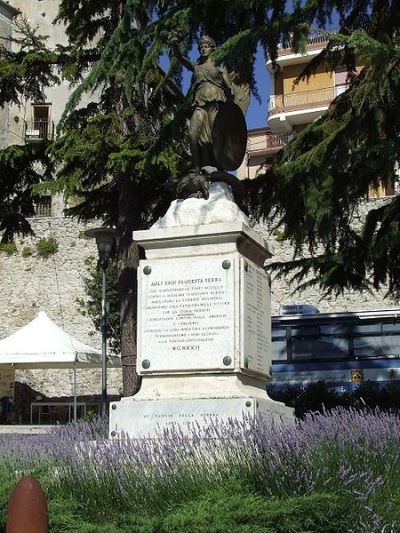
[27, 510]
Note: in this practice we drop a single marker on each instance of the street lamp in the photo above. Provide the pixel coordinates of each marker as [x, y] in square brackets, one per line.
[105, 238]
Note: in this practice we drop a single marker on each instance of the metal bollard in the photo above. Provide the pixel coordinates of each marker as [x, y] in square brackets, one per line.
[27, 510]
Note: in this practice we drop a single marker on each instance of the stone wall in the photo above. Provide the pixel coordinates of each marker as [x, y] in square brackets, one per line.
[283, 293]
[30, 283]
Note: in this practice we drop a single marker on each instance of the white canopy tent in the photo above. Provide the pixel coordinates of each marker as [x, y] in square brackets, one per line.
[43, 344]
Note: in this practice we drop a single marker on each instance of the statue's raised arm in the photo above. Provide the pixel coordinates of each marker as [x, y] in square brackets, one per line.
[211, 87]
[217, 128]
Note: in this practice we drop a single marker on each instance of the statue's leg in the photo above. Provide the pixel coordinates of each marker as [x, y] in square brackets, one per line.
[197, 121]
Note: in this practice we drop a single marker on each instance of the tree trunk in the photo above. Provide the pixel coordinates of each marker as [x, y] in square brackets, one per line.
[128, 261]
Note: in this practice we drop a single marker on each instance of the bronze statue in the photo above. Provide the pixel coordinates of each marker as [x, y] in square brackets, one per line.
[211, 86]
[217, 129]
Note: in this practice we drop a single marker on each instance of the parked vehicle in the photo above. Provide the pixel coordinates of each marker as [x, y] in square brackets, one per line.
[343, 349]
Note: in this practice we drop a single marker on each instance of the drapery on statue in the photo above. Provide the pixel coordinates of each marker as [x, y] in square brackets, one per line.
[217, 128]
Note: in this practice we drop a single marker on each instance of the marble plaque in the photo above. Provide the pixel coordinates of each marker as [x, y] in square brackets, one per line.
[186, 314]
[256, 319]
[149, 418]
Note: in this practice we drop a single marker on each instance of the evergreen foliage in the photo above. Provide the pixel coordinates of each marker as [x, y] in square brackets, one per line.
[119, 153]
[26, 72]
[21, 167]
[320, 179]
[92, 306]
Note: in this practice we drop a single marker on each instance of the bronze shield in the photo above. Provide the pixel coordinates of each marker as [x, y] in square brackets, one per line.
[229, 136]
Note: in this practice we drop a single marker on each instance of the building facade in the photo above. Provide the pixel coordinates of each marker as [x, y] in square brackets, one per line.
[7, 14]
[31, 282]
[291, 107]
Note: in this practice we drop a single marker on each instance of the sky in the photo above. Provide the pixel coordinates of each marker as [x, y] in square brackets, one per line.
[256, 116]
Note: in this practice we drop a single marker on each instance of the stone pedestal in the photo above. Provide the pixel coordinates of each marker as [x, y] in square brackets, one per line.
[204, 339]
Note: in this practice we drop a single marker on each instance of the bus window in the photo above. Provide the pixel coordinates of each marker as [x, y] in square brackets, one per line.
[324, 342]
[304, 342]
[393, 328]
[279, 350]
[279, 345]
[376, 340]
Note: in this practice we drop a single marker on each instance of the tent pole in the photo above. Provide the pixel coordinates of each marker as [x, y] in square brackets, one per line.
[75, 399]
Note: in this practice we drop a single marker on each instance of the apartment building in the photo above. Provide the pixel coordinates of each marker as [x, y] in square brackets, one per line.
[292, 106]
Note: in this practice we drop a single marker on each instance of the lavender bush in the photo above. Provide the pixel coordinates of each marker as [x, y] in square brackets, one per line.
[354, 456]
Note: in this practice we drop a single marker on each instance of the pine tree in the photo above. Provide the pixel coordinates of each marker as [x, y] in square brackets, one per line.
[103, 149]
[24, 73]
[319, 181]
[117, 153]
[101, 152]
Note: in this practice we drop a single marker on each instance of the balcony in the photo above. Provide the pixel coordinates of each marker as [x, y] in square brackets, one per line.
[266, 144]
[315, 41]
[43, 207]
[276, 141]
[279, 103]
[298, 109]
[39, 130]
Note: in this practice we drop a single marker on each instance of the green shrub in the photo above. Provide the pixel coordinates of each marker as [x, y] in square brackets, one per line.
[243, 511]
[280, 235]
[8, 248]
[89, 415]
[89, 260]
[222, 508]
[319, 396]
[82, 235]
[47, 246]
[26, 251]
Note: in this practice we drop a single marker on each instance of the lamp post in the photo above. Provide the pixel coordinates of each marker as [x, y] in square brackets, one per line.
[105, 238]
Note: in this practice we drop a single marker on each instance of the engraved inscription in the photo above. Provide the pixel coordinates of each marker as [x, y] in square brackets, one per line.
[187, 314]
[257, 332]
[148, 418]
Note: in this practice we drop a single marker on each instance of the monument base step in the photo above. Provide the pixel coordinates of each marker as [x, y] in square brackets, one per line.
[148, 418]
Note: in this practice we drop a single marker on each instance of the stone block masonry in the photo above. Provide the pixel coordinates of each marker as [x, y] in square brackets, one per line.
[282, 293]
[30, 283]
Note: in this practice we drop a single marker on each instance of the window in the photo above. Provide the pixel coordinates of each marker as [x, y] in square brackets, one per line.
[313, 339]
[325, 341]
[341, 79]
[40, 127]
[43, 207]
[279, 344]
[376, 340]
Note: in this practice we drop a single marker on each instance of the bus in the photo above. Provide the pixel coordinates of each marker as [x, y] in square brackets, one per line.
[343, 349]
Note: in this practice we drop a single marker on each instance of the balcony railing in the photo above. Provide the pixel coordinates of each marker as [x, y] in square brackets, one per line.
[314, 41]
[43, 207]
[39, 130]
[276, 140]
[303, 100]
[267, 144]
